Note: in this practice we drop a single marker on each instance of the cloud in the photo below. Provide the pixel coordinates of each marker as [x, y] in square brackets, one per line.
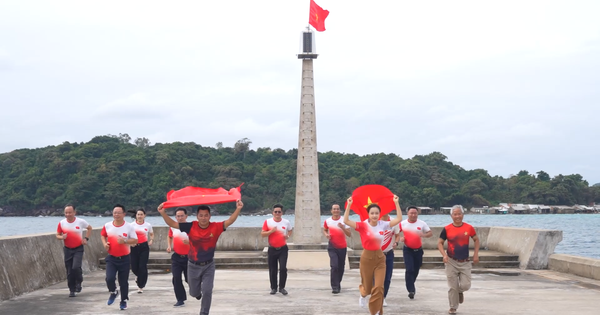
[500, 86]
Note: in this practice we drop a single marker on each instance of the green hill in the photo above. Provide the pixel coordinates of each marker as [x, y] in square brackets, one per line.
[109, 169]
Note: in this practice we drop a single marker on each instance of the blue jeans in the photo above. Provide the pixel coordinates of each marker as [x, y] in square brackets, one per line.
[413, 259]
[120, 266]
[389, 269]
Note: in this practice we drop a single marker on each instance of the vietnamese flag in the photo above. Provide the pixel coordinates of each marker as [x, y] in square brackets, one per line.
[191, 196]
[365, 195]
[317, 16]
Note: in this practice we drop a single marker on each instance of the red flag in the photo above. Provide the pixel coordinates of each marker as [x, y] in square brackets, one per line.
[191, 196]
[317, 16]
[365, 195]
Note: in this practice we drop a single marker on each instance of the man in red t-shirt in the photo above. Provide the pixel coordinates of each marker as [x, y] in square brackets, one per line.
[203, 236]
[456, 259]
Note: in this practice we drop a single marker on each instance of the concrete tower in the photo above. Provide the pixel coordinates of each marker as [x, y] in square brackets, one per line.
[307, 226]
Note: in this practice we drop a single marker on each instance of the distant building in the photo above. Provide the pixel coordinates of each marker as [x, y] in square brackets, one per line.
[425, 210]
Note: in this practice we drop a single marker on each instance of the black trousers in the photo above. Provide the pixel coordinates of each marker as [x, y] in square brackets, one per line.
[179, 265]
[120, 266]
[277, 256]
[337, 262]
[413, 259]
[139, 263]
[73, 257]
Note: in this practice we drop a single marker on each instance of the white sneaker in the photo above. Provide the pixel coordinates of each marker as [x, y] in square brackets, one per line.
[362, 301]
[384, 303]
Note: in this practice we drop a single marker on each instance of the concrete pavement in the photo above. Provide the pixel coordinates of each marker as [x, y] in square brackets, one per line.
[247, 292]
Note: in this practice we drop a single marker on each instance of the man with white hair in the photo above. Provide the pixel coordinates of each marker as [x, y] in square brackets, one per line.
[456, 258]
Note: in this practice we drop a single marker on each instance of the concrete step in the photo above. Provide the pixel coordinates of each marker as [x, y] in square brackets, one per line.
[161, 261]
[440, 264]
[502, 258]
[432, 259]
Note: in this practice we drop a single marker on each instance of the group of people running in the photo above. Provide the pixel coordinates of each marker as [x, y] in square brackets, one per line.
[193, 245]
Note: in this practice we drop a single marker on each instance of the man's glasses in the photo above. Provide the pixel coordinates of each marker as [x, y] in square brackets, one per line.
[277, 212]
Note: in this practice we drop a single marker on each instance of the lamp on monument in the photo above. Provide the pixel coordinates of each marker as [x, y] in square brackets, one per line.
[308, 47]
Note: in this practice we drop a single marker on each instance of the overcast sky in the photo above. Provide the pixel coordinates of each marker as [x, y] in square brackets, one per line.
[499, 85]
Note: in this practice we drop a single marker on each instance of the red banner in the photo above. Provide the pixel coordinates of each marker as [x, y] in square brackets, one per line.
[365, 195]
[192, 196]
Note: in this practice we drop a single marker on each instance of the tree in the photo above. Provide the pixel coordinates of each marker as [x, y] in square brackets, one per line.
[242, 146]
[543, 176]
[219, 145]
[142, 143]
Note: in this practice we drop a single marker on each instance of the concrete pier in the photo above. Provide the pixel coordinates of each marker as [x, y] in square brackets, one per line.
[247, 292]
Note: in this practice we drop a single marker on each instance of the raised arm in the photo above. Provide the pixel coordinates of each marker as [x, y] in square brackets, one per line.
[234, 215]
[398, 218]
[347, 220]
[170, 222]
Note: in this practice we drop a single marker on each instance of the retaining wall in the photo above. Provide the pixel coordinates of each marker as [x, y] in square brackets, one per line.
[581, 266]
[534, 247]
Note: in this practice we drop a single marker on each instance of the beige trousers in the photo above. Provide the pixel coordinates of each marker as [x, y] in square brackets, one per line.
[459, 279]
[372, 275]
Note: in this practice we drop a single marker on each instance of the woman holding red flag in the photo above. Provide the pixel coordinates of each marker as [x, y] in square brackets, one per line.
[372, 260]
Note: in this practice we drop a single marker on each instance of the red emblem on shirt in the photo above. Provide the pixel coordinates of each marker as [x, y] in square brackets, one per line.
[145, 229]
[283, 227]
[125, 234]
[380, 232]
[418, 227]
[77, 228]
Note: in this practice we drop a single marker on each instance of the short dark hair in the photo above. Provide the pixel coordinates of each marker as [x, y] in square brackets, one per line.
[373, 205]
[70, 205]
[412, 207]
[181, 209]
[203, 207]
[119, 206]
[278, 205]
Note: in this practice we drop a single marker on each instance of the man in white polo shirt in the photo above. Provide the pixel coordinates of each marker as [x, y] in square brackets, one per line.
[70, 230]
[336, 231]
[278, 230]
[117, 237]
[414, 229]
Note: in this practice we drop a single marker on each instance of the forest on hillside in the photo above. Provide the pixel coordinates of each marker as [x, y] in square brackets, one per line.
[114, 169]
